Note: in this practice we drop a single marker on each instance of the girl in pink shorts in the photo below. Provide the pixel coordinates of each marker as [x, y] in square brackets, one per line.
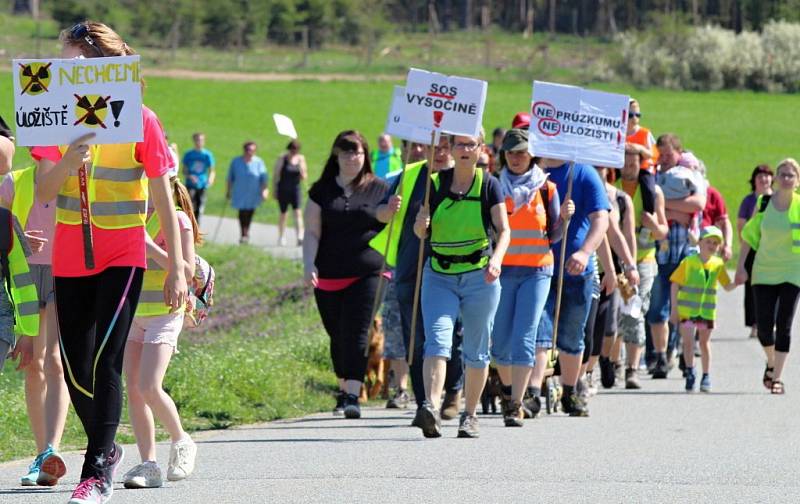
[152, 341]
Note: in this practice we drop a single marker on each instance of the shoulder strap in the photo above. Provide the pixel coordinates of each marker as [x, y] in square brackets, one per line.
[544, 193]
[764, 202]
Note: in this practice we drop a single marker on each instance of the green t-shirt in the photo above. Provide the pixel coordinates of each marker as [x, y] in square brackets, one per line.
[777, 264]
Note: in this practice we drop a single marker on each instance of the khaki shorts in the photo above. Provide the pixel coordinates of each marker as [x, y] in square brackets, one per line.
[43, 279]
[161, 329]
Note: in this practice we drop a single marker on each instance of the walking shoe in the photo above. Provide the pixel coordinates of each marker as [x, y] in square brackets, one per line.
[89, 491]
[416, 421]
[338, 410]
[53, 467]
[580, 387]
[632, 379]
[661, 369]
[146, 475]
[607, 373]
[468, 426]
[399, 401]
[32, 477]
[619, 371]
[429, 421]
[705, 383]
[690, 379]
[532, 403]
[351, 407]
[114, 461]
[282, 241]
[591, 384]
[182, 455]
[451, 404]
[513, 415]
[574, 405]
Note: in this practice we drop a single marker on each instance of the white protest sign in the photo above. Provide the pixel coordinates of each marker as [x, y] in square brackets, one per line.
[445, 103]
[58, 100]
[581, 125]
[396, 126]
[284, 125]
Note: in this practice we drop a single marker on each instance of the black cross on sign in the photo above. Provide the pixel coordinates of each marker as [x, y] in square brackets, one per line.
[36, 79]
[90, 117]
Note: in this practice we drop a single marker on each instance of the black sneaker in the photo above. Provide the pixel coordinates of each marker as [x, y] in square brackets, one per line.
[607, 375]
[428, 420]
[351, 407]
[338, 410]
[661, 370]
[533, 404]
[399, 401]
[468, 426]
[416, 422]
[574, 406]
[632, 379]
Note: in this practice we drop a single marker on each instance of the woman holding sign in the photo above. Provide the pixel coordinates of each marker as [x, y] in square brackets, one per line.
[461, 278]
[96, 302]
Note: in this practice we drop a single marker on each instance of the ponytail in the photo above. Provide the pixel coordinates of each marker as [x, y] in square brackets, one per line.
[182, 199]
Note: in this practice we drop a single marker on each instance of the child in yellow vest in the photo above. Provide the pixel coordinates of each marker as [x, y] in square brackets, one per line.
[694, 301]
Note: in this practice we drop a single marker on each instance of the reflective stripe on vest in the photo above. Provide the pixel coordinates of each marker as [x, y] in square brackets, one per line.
[698, 297]
[457, 230]
[151, 298]
[379, 241]
[645, 244]
[752, 230]
[23, 290]
[530, 244]
[117, 189]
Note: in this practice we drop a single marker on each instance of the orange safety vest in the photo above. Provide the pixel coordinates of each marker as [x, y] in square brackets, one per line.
[530, 244]
[640, 138]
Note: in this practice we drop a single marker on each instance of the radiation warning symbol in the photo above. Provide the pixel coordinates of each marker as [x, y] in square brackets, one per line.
[91, 110]
[34, 78]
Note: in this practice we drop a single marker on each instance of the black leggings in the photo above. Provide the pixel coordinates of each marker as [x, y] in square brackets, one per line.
[347, 316]
[588, 330]
[749, 302]
[94, 317]
[245, 218]
[775, 307]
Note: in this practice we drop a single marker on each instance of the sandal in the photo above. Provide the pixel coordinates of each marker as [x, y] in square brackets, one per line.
[777, 387]
[767, 379]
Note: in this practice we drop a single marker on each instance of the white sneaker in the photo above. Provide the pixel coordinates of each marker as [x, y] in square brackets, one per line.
[146, 475]
[181, 459]
[282, 241]
[89, 491]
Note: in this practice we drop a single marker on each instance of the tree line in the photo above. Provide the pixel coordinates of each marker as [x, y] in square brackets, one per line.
[237, 24]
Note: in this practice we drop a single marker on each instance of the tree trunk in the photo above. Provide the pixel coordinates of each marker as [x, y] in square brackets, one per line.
[486, 17]
[468, 6]
[552, 21]
[433, 20]
[695, 13]
[529, 19]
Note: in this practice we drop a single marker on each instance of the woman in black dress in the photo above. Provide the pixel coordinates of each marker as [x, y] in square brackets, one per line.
[290, 170]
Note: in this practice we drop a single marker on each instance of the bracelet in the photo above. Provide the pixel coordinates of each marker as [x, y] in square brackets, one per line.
[628, 267]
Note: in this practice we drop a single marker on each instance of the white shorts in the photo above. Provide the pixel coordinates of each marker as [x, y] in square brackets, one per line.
[161, 329]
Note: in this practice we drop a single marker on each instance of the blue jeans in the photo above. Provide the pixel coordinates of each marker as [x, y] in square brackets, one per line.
[660, 295]
[524, 293]
[444, 298]
[576, 301]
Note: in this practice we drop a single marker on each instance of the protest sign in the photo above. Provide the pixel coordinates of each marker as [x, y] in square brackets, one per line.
[398, 127]
[284, 125]
[575, 124]
[58, 100]
[448, 104]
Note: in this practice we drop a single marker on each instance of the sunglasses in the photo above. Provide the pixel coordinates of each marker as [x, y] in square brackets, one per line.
[81, 32]
[635, 114]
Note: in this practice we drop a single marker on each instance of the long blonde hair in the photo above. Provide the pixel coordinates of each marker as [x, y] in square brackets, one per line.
[184, 201]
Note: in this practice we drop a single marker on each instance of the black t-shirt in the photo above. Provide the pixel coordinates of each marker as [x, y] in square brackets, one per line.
[348, 224]
[491, 195]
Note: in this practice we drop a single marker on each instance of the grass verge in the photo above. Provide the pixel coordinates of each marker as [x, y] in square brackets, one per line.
[262, 356]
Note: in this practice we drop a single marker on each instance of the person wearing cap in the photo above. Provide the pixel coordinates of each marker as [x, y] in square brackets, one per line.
[6, 147]
[694, 301]
[522, 120]
[534, 215]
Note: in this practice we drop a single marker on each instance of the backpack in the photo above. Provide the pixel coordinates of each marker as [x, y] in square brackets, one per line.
[201, 293]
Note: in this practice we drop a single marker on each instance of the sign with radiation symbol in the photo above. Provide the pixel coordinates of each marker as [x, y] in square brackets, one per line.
[91, 110]
[34, 77]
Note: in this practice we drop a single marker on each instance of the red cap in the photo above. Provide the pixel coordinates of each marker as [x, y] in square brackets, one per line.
[522, 120]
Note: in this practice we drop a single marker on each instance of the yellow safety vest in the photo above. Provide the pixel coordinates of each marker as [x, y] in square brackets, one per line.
[151, 299]
[117, 190]
[698, 297]
[24, 193]
[645, 244]
[23, 291]
[751, 233]
[378, 242]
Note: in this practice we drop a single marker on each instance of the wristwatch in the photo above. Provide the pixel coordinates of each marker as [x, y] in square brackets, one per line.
[628, 267]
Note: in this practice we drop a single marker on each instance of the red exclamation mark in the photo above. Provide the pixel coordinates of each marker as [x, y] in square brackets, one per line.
[438, 115]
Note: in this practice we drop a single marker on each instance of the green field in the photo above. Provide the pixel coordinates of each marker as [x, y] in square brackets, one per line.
[730, 131]
[263, 356]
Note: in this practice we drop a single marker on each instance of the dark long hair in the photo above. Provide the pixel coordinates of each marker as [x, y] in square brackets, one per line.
[348, 140]
[762, 168]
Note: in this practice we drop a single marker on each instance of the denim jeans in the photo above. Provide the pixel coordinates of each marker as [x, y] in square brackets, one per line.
[576, 301]
[524, 293]
[444, 299]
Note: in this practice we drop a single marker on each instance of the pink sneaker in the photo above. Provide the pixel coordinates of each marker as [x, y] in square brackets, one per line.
[89, 491]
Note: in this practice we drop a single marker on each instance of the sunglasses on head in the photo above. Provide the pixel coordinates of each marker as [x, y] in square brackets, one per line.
[81, 32]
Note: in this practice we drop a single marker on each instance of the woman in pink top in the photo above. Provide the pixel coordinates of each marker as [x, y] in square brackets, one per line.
[96, 306]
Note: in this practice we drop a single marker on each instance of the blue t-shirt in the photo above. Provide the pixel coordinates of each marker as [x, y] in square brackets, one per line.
[589, 195]
[247, 182]
[199, 164]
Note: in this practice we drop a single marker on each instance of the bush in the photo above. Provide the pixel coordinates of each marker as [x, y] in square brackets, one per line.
[710, 58]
